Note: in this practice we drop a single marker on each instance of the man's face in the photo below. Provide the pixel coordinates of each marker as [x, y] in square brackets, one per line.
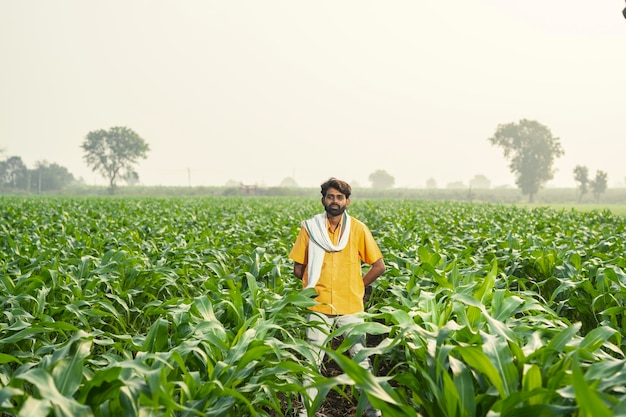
[335, 202]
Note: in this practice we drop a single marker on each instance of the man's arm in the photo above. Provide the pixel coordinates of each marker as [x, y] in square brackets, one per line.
[298, 269]
[299, 253]
[374, 272]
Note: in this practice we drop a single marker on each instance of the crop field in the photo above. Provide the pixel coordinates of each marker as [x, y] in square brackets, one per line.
[146, 306]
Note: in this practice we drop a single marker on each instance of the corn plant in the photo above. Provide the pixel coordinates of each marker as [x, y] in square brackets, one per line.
[135, 306]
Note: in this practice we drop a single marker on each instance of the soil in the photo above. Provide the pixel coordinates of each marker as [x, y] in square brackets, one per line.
[335, 404]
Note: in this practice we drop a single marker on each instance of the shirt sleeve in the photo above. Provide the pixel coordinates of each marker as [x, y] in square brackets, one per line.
[300, 250]
[370, 250]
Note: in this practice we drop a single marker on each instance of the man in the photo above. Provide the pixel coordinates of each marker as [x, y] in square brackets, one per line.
[327, 256]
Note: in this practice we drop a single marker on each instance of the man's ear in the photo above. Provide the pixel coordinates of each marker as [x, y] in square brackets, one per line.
[347, 202]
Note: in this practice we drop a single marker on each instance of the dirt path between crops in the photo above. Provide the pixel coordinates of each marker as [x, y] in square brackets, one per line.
[335, 405]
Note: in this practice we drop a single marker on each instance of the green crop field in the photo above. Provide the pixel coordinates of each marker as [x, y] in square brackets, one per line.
[146, 306]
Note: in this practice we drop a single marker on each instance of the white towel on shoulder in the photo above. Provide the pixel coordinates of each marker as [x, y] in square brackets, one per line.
[320, 243]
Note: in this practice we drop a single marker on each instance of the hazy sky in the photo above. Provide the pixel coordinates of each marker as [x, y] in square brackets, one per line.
[257, 91]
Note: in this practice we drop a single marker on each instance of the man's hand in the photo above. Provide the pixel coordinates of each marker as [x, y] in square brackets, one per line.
[298, 270]
[368, 294]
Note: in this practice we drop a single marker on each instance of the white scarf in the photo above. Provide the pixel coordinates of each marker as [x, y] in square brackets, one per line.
[320, 243]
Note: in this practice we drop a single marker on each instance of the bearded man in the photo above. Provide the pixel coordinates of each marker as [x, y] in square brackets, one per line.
[328, 254]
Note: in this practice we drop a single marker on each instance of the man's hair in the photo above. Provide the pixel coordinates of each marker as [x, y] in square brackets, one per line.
[342, 186]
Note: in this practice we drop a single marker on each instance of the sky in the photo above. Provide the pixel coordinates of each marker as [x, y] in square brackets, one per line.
[259, 91]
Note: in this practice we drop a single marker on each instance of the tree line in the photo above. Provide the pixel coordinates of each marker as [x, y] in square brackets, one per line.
[529, 146]
[113, 153]
[44, 177]
[531, 150]
[597, 185]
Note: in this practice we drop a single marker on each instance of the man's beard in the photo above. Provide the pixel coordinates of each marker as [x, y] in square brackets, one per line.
[335, 211]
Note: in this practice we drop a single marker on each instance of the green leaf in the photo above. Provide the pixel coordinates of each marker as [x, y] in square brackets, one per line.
[5, 358]
[47, 391]
[68, 371]
[463, 382]
[157, 339]
[590, 403]
[481, 363]
[532, 380]
[500, 355]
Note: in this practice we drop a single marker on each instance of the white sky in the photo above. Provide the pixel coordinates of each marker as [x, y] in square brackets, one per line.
[257, 91]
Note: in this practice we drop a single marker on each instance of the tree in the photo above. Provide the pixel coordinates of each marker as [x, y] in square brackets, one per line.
[49, 177]
[381, 179]
[531, 150]
[598, 184]
[13, 173]
[581, 175]
[131, 178]
[288, 182]
[455, 185]
[480, 182]
[431, 184]
[114, 153]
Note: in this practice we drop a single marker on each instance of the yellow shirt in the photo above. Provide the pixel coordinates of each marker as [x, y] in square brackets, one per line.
[340, 287]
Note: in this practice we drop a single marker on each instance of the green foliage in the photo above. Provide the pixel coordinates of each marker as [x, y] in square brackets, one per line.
[114, 152]
[599, 184]
[187, 307]
[381, 179]
[531, 149]
[49, 177]
[45, 177]
[581, 175]
[13, 174]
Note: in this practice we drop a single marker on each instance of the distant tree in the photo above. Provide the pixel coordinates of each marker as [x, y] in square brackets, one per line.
[114, 152]
[381, 179]
[288, 182]
[49, 177]
[455, 185]
[531, 149]
[13, 174]
[581, 175]
[431, 184]
[3, 174]
[480, 182]
[598, 184]
[131, 178]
